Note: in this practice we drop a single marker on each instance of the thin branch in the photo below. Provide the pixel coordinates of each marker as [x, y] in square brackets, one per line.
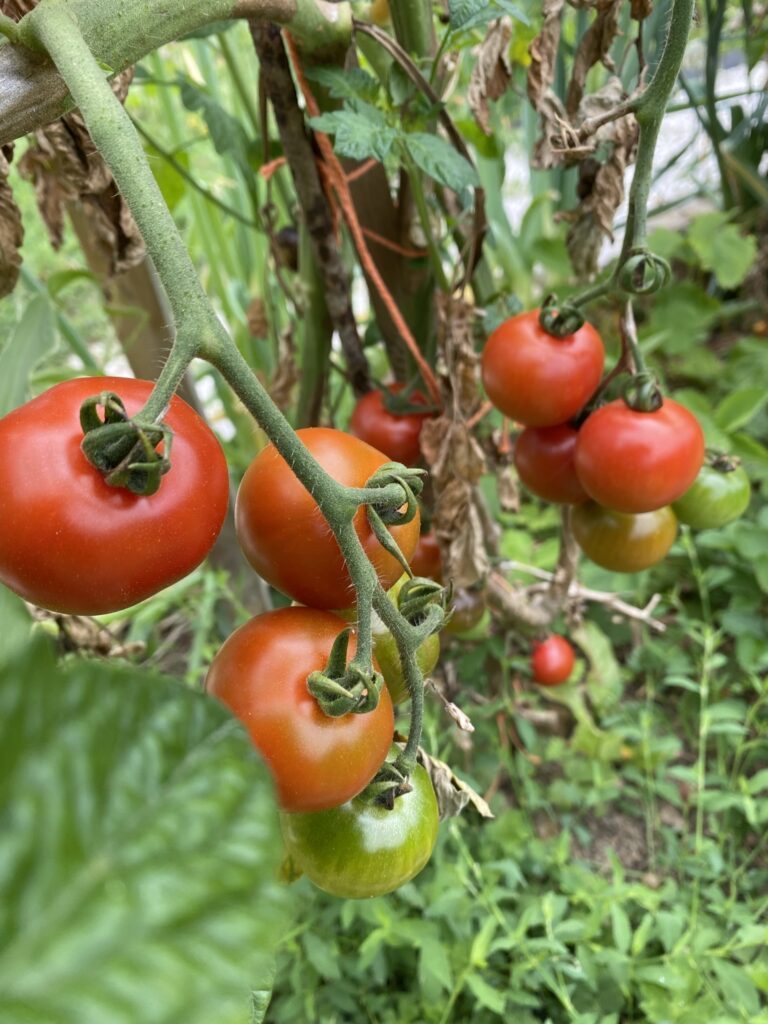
[279, 87]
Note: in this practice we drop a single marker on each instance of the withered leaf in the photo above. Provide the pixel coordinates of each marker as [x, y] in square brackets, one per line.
[11, 230]
[287, 373]
[66, 167]
[453, 795]
[543, 52]
[594, 47]
[492, 72]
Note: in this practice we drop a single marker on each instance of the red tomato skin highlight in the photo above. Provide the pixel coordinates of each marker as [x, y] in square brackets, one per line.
[634, 461]
[537, 379]
[395, 436]
[544, 459]
[70, 542]
[283, 533]
[261, 673]
[552, 661]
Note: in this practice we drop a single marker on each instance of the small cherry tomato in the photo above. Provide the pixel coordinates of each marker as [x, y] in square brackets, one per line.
[426, 559]
[394, 434]
[284, 535]
[623, 542]
[634, 461]
[363, 849]
[552, 661]
[537, 379]
[71, 542]
[388, 657]
[716, 497]
[261, 673]
[544, 462]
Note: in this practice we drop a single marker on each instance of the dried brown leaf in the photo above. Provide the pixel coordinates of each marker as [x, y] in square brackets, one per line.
[66, 167]
[11, 230]
[492, 72]
[16, 9]
[453, 794]
[594, 48]
[543, 52]
[287, 373]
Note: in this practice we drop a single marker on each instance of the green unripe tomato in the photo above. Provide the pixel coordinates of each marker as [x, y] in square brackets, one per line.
[386, 653]
[716, 497]
[363, 849]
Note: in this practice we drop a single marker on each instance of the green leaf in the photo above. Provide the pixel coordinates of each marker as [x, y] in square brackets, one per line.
[226, 132]
[759, 782]
[491, 998]
[352, 84]
[740, 407]
[721, 248]
[441, 161]
[737, 988]
[322, 954]
[604, 682]
[435, 975]
[359, 133]
[16, 625]
[467, 14]
[33, 336]
[622, 929]
[137, 850]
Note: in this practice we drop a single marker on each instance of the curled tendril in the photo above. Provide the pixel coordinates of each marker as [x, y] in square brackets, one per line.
[342, 689]
[560, 319]
[644, 273]
[416, 596]
[124, 450]
[642, 392]
[411, 480]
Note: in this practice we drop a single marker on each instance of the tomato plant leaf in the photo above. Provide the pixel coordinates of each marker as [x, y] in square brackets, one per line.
[441, 161]
[467, 14]
[359, 133]
[351, 84]
[227, 133]
[721, 248]
[138, 845]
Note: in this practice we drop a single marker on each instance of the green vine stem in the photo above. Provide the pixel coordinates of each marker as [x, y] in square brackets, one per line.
[638, 271]
[199, 333]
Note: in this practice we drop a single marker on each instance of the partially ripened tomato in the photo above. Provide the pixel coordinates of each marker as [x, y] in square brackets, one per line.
[544, 462]
[638, 461]
[261, 674]
[363, 849]
[537, 379]
[395, 434]
[284, 535]
[71, 542]
[623, 542]
[716, 497]
[467, 612]
[426, 559]
[552, 661]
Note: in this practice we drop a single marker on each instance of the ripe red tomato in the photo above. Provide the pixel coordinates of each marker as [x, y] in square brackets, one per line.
[552, 661]
[395, 435]
[287, 540]
[634, 461]
[623, 542]
[426, 559]
[544, 462]
[363, 849]
[717, 496]
[537, 379]
[72, 543]
[261, 673]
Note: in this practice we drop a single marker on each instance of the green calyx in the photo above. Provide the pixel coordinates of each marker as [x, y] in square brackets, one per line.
[124, 450]
[642, 392]
[560, 319]
[341, 688]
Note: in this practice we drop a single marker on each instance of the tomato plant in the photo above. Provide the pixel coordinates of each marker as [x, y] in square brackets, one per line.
[364, 849]
[426, 559]
[537, 379]
[287, 540]
[395, 434]
[719, 494]
[544, 462]
[623, 542]
[552, 661]
[71, 542]
[634, 461]
[261, 673]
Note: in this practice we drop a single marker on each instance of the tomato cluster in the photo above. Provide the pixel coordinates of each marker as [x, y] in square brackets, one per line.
[72, 542]
[621, 467]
